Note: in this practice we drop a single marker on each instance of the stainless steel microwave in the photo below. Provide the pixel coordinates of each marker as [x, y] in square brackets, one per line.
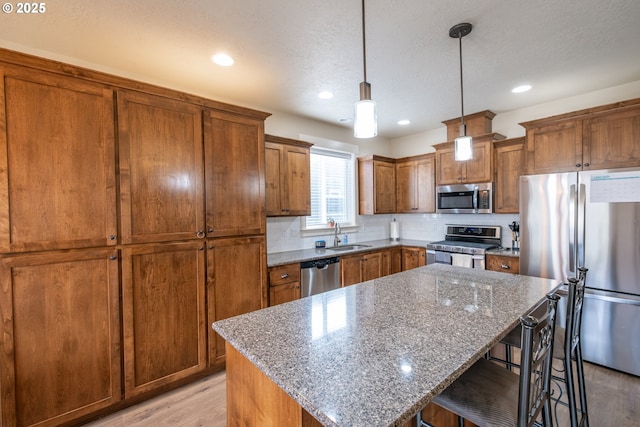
[465, 198]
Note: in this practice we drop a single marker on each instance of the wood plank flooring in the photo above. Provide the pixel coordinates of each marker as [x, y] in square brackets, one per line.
[614, 401]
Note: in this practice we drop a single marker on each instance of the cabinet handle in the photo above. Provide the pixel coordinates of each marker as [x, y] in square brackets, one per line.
[113, 257]
[201, 248]
[284, 276]
[578, 165]
[505, 266]
[112, 237]
[210, 230]
[211, 247]
[586, 165]
[200, 234]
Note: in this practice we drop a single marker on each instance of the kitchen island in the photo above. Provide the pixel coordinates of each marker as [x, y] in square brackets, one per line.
[371, 354]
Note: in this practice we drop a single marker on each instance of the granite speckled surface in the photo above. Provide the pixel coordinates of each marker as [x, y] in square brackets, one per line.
[504, 252]
[375, 353]
[281, 258]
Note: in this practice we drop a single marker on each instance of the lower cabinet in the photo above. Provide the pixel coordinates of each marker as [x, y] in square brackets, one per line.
[413, 257]
[163, 306]
[284, 283]
[60, 345]
[391, 261]
[507, 264]
[360, 267]
[236, 284]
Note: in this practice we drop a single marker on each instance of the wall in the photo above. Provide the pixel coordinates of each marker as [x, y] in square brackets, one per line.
[283, 234]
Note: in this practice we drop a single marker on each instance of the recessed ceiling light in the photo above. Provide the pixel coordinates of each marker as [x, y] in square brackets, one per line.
[520, 89]
[325, 94]
[222, 59]
[404, 122]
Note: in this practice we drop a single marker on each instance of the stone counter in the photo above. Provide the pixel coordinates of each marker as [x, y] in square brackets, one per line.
[375, 353]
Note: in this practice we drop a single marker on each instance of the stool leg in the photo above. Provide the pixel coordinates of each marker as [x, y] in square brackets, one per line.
[581, 387]
[571, 393]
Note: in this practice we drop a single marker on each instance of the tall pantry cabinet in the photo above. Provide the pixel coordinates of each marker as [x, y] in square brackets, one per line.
[131, 217]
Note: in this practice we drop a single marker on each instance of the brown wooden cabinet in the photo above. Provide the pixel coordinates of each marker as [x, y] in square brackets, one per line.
[391, 261]
[360, 267]
[57, 162]
[60, 346]
[415, 184]
[507, 264]
[288, 170]
[509, 166]
[376, 185]
[413, 257]
[161, 168]
[478, 169]
[236, 284]
[163, 305]
[284, 283]
[604, 137]
[234, 174]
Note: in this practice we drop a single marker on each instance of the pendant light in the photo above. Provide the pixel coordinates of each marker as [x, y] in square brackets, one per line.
[366, 121]
[463, 149]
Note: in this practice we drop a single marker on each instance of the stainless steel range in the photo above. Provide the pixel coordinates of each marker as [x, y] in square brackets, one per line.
[464, 245]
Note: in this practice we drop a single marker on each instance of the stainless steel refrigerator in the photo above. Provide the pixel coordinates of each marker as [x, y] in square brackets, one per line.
[590, 219]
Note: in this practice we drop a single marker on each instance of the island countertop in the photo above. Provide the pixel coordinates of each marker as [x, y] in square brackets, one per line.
[376, 353]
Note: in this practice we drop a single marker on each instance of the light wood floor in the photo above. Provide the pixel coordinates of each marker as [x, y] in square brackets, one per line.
[614, 401]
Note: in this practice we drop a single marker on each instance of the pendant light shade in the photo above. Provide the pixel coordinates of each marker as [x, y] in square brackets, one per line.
[463, 143]
[366, 120]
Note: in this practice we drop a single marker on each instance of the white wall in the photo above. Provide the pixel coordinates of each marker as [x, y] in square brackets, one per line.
[506, 123]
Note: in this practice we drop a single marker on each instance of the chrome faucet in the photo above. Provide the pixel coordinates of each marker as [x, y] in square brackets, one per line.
[336, 231]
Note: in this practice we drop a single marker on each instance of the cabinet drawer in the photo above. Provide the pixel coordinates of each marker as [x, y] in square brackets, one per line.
[505, 264]
[284, 274]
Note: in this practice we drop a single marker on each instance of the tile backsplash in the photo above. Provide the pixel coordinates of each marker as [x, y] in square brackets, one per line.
[284, 234]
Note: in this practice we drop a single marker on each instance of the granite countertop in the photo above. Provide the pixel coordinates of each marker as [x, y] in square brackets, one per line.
[281, 258]
[504, 252]
[377, 352]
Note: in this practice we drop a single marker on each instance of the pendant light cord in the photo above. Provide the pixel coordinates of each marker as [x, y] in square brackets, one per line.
[364, 45]
[461, 85]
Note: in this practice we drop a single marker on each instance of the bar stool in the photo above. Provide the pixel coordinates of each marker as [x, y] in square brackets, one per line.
[489, 395]
[568, 350]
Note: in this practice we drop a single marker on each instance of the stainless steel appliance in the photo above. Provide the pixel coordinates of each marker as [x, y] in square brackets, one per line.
[464, 198]
[320, 275]
[590, 219]
[464, 245]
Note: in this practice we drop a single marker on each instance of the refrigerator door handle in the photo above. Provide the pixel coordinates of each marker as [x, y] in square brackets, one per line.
[573, 197]
[582, 206]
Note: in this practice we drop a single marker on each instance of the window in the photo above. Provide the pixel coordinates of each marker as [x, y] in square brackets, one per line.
[332, 189]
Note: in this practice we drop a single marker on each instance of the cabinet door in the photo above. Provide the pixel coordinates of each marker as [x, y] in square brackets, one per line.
[274, 169]
[554, 148]
[478, 169]
[351, 270]
[284, 293]
[612, 140]
[161, 172]
[57, 163]
[371, 266]
[163, 304]
[413, 257]
[234, 175]
[509, 167]
[406, 187]
[236, 284]
[505, 264]
[448, 171]
[60, 356]
[297, 180]
[385, 187]
[426, 185]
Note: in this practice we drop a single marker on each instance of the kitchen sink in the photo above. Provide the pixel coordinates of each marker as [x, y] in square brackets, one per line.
[348, 247]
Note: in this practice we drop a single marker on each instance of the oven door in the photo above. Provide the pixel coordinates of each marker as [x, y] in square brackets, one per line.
[461, 260]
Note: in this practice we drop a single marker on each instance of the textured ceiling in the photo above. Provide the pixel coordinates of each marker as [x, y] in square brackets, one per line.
[288, 51]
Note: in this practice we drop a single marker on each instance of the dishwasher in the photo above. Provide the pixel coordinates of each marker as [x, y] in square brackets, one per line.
[320, 275]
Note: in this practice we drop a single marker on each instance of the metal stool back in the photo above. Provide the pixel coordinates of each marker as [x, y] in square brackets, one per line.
[488, 395]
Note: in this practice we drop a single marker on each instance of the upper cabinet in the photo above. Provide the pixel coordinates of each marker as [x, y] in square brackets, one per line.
[234, 174]
[288, 170]
[599, 138]
[415, 184]
[376, 185]
[478, 169]
[161, 168]
[57, 162]
[509, 166]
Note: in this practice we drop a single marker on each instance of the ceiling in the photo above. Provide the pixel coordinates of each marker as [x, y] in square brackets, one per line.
[286, 51]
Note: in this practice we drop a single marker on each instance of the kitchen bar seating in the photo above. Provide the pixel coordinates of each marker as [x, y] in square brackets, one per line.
[569, 351]
[489, 395]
